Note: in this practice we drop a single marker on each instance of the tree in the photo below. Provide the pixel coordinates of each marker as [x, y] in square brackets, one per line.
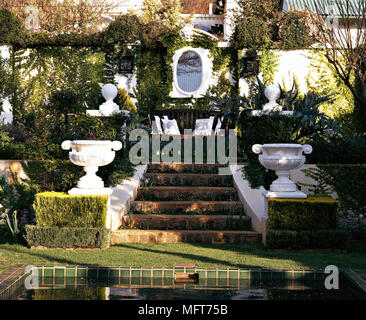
[264, 9]
[344, 45]
[66, 16]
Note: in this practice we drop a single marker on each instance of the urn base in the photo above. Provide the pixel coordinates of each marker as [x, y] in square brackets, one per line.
[286, 195]
[90, 192]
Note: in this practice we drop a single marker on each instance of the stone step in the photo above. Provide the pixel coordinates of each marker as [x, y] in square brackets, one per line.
[187, 236]
[183, 168]
[187, 193]
[171, 207]
[189, 222]
[188, 179]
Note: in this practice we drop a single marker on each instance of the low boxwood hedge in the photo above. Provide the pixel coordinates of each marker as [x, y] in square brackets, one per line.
[313, 213]
[53, 237]
[315, 239]
[54, 209]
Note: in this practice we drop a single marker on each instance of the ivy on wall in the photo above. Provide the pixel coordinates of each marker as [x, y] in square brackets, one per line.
[268, 63]
[155, 73]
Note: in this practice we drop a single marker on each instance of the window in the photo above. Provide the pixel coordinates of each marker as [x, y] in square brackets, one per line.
[192, 73]
[189, 71]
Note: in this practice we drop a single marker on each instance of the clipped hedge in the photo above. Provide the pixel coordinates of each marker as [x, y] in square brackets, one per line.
[62, 210]
[313, 213]
[53, 237]
[315, 239]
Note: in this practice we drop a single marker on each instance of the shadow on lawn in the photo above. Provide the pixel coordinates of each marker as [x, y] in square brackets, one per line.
[306, 260]
[203, 259]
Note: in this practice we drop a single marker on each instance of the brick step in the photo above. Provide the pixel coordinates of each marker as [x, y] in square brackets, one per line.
[187, 193]
[183, 168]
[213, 207]
[187, 236]
[188, 179]
[186, 222]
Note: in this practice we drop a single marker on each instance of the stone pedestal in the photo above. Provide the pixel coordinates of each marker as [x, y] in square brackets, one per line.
[287, 195]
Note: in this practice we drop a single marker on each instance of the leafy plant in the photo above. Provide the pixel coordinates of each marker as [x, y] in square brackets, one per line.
[307, 122]
[11, 225]
[17, 197]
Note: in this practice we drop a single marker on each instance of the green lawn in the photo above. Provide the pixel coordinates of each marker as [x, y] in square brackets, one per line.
[203, 255]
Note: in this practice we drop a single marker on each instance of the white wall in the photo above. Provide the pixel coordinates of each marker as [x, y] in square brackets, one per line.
[6, 115]
[292, 63]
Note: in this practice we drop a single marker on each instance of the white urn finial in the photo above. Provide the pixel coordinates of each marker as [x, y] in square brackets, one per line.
[109, 92]
[272, 93]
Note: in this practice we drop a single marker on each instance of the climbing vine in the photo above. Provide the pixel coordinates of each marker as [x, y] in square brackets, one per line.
[268, 64]
[155, 72]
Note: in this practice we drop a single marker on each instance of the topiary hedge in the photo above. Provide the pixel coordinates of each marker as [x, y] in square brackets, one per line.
[313, 213]
[54, 209]
[53, 237]
[315, 239]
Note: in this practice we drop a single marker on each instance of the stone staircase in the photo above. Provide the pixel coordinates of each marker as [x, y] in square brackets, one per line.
[186, 203]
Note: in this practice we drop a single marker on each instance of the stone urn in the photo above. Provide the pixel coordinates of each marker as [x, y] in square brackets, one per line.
[91, 154]
[282, 158]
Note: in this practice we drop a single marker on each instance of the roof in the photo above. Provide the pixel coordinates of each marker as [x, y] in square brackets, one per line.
[324, 6]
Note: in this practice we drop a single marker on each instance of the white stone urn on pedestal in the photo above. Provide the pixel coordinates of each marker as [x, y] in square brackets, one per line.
[272, 93]
[282, 158]
[91, 154]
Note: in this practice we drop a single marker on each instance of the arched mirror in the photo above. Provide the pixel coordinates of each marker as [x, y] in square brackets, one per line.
[189, 71]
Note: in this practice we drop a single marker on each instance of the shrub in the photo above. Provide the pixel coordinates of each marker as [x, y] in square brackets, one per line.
[11, 28]
[116, 172]
[32, 151]
[280, 239]
[52, 175]
[251, 33]
[325, 239]
[313, 213]
[17, 198]
[62, 210]
[347, 180]
[349, 150]
[315, 239]
[53, 237]
[294, 32]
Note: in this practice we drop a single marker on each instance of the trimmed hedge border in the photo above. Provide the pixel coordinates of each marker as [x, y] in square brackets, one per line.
[316, 239]
[54, 209]
[313, 213]
[63, 238]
